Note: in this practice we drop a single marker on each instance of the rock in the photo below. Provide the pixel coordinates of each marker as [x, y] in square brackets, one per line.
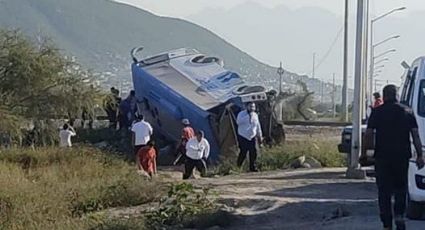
[313, 162]
[306, 165]
[339, 212]
[298, 163]
[101, 145]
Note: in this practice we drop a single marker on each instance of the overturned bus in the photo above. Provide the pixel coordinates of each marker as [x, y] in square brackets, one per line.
[184, 83]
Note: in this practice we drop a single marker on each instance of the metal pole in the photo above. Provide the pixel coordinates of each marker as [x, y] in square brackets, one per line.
[365, 59]
[314, 65]
[354, 170]
[333, 96]
[372, 61]
[280, 79]
[345, 67]
[280, 71]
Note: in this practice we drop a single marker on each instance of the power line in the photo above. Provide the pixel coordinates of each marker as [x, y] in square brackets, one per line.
[330, 49]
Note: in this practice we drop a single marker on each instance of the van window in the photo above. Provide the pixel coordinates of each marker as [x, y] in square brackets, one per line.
[409, 87]
[421, 101]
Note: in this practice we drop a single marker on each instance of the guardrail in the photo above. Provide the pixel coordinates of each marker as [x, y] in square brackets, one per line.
[317, 123]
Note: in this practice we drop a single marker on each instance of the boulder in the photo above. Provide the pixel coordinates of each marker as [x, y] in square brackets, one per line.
[298, 163]
[313, 162]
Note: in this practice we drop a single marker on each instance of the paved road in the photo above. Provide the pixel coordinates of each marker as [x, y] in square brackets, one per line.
[306, 199]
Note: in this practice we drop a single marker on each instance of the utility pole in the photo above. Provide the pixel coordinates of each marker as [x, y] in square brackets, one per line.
[344, 112]
[333, 96]
[280, 72]
[354, 170]
[314, 65]
[365, 58]
[321, 92]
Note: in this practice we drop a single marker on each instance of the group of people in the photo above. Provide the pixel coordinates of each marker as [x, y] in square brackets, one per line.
[121, 113]
[194, 149]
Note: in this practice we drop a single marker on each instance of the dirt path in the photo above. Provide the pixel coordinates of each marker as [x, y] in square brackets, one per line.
[303, 199]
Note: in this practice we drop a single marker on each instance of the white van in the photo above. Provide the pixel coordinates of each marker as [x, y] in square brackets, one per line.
[413, 95]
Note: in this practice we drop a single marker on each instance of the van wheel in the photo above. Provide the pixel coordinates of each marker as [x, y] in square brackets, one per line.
[414, 209]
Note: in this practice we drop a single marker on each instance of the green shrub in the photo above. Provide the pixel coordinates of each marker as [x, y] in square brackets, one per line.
[182, 204]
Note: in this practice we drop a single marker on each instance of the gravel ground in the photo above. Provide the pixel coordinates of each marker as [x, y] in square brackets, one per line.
[302, 199]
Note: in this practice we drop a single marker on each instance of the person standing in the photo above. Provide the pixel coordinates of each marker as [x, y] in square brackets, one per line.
[65, 135]
[249, 134]
[393, 124]
[146, 159]
[197, 152]
[378, 101]
[127, 110]
[110, 105]
[141, 133]
[187, 134]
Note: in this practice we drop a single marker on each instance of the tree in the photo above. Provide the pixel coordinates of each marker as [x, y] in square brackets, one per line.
[38, 83]
[296, 105]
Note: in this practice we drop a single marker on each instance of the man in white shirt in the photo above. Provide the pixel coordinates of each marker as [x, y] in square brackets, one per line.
[65, 136]
[141, 133]
[197, 152]
[249, 132]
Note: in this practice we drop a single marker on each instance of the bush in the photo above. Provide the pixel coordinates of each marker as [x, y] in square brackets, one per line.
[324, 151]
[52, 188]
[181, 206]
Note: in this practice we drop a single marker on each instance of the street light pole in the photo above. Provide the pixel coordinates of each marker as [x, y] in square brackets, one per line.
[354, 170]
[344, 108]
[365, 94]
[372, 62]
[382, 60]
[384, 53]
[372, 46]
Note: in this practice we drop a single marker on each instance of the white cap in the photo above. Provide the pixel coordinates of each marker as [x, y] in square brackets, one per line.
[185, 121]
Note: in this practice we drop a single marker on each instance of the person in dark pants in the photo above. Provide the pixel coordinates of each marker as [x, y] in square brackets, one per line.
[197, 152]
[393, 124]
[249, 132]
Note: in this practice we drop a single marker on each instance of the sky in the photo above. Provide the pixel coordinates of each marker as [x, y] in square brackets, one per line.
[185, 9]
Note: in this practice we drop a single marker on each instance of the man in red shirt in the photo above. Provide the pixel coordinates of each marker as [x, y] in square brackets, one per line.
[378, 100]
[187, 134]
[147, 159]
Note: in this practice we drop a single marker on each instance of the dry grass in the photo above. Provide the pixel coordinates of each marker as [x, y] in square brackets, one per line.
[280, 157]
[323, 150]
[55, 188]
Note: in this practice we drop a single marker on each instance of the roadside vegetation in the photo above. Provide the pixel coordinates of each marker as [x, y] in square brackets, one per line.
[315, 149]
[321, 150]
[51, 188]
[39, 83]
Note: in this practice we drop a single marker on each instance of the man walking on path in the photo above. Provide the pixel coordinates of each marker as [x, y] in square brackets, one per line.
[393, 124]
[249, 132]
[187, 134]
[141, 133]
[197, 152]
